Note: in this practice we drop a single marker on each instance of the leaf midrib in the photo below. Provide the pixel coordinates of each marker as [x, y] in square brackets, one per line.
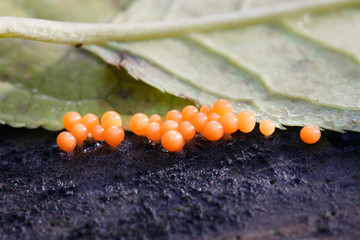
[90, 33]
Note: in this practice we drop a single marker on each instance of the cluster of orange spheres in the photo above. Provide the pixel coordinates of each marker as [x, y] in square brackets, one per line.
[212, 122]
[80, 128]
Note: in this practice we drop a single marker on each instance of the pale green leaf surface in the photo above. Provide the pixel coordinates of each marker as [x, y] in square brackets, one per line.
[38, 87]
[267, 56]
[40, 82]
[338, 30]
[65, 10]
[293, 72]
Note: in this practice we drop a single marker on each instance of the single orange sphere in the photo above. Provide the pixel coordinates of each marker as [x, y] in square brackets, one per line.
[213, 130]
[188, 112]
[98, 133]
[222, 107]
[80, 132]
[155, 118]
[205, 109]
[187, 129]
[153, 131]
[174, 115]
[66, 141]
[172, 141]
[267, 127]
[310, 134]
[70, 119]
[213, 117]
[111, 118]
[199, 120]
[246, 121]
[229, 122]
[114, 135]
[138, 123]
[90, 121]
[169, 125]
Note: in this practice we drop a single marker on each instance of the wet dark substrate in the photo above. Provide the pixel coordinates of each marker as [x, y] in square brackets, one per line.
[246, 187]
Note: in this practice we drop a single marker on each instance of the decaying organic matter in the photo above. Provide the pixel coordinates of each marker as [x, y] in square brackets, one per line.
[247, 187]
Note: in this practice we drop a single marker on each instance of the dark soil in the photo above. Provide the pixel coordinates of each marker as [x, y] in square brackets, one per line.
[247, 187]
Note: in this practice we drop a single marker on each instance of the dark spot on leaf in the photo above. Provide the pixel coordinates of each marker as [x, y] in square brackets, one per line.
[124, 94]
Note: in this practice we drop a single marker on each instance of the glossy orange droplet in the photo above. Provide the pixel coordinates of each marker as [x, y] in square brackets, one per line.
[187, 129]
[267, 127]
[174, 115]
[199, 120]
[310, 134]
[213, 117]
[66, 141]
[153, 131]
[188, 112]
[80, 132]
[111, 118]
[213, 130]
[98, 133]
[70, 119]
[155, 118]
[90, 121]
[222, 107]
[172, 141]
[169, 125]
[114, 135]
[206, 109]
[138, 123]
[229, 122]
[246, 121]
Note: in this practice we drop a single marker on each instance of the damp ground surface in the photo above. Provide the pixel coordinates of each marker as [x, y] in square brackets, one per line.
[246, 187]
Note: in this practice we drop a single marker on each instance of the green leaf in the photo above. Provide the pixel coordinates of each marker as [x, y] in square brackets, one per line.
[294, 70]
[280, 59]
[40, 82]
